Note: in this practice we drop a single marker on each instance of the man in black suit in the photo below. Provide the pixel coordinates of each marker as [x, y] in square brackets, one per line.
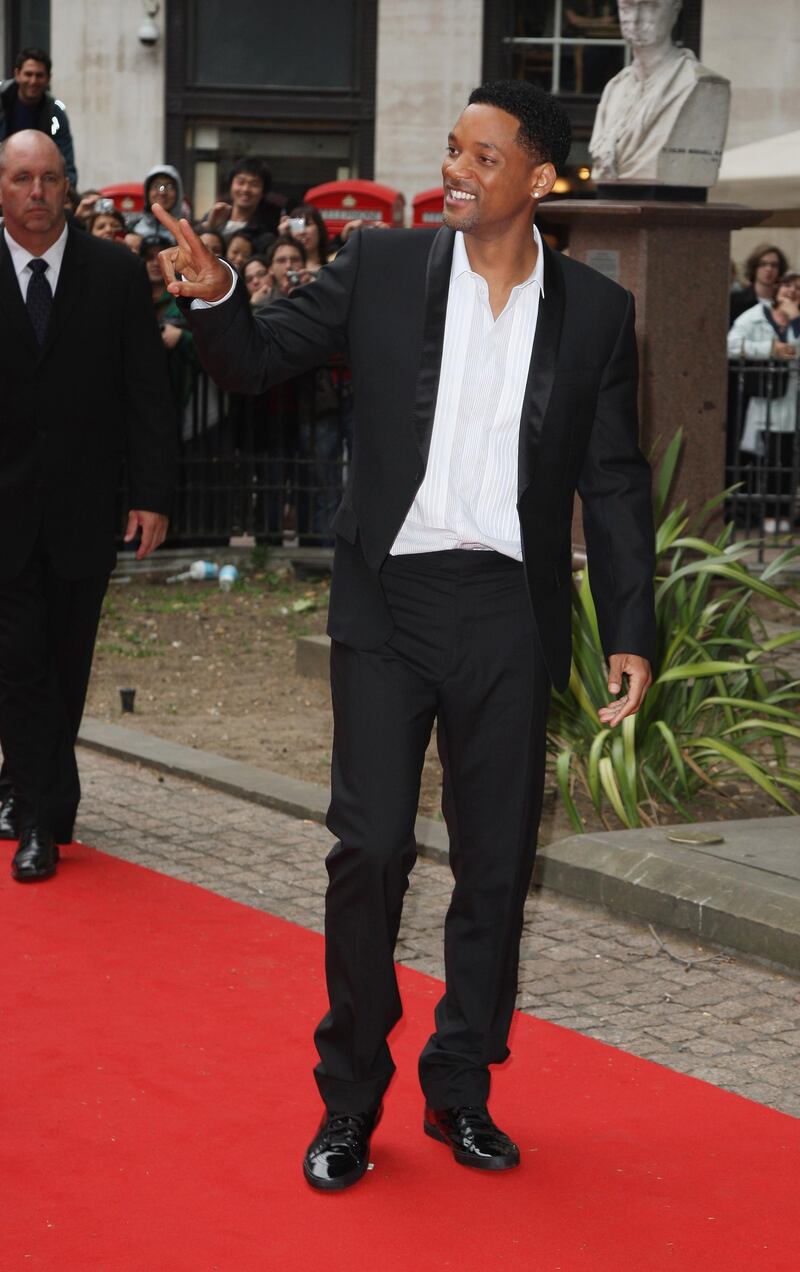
[84, 385]
[491, 379]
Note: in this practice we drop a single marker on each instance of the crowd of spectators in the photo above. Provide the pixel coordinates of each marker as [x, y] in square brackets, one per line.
[763, 415]
[298, 434]
[275, 249]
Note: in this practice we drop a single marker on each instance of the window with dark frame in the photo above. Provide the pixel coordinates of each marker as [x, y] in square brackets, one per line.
[27, 26]
[299, 93]
[545, 41]
[568, 47]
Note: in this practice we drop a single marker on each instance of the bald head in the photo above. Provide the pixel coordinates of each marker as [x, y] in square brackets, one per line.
[33, 187]
[29, 143]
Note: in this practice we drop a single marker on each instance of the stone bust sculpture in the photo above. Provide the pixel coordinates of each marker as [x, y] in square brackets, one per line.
[663, 119]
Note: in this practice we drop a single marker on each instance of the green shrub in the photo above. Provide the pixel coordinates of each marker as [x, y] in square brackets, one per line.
[721, 705]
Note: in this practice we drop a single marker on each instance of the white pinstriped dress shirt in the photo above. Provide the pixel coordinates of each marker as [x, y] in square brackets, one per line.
[468, 497]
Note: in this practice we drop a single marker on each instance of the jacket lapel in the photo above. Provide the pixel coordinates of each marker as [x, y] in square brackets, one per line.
[539, 385]
[437, 286]
[68, 289]
[13, 306]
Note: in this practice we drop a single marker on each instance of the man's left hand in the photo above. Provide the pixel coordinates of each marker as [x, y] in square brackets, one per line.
[153, 526]
[640, 678]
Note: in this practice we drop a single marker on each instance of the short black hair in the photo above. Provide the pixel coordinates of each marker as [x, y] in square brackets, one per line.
[33, 55]
[157, 241]
[283, 240]
[254, 168]
[545, 132]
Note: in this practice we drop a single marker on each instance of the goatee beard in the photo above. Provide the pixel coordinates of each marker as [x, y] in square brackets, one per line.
[465, 223]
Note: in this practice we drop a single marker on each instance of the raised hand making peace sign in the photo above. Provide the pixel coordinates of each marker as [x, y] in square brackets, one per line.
[203, 275]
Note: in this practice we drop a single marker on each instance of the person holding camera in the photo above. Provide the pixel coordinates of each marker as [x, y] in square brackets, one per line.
[106, 222]
[246, 207]
[305, 225]
[288, 267]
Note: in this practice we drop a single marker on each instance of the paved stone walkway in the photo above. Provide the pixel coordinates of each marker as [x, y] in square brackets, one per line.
[733, 1024]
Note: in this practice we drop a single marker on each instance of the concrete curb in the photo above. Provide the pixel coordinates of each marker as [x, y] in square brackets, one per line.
[247, 781]
[711, 892]
[745, 901]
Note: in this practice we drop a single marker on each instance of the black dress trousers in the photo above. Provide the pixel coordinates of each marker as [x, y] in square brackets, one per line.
[464, 653]
[48, 626]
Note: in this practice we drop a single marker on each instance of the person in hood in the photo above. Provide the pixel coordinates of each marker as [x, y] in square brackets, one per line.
[26, 103]
[162, 185]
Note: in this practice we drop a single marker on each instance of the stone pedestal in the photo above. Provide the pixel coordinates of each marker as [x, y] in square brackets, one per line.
[675, 258]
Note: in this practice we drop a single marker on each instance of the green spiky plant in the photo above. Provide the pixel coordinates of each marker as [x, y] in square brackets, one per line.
[721, 706]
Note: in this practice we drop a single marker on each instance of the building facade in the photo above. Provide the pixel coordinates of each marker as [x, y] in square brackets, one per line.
[336, 88]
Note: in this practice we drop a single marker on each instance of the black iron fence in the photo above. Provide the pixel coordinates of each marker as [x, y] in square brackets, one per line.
[272, 467]
[763, 450]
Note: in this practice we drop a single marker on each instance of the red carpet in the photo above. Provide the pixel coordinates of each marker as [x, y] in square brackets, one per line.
[157, 1097]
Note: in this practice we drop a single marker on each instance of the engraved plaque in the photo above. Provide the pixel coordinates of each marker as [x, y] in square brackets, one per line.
[604, 262]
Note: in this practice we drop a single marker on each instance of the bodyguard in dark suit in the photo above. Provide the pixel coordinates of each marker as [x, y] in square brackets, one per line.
[491, 379]
[84, 385]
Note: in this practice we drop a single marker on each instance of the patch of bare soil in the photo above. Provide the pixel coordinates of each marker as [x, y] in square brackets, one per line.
[216, 671]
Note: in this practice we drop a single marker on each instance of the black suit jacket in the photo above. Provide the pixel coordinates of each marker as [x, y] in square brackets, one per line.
[95, 392]
[384, 300]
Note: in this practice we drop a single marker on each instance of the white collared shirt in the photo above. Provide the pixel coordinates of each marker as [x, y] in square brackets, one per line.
[468, 497]
[20, 257]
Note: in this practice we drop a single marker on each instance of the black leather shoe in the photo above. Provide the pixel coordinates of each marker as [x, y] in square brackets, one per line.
[8, 819]
[339, 1154]
[36, 856]
[473, 1137]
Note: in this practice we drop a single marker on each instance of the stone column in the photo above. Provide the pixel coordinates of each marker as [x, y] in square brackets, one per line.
[675, 258]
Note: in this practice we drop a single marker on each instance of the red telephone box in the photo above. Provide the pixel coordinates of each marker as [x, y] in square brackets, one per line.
[342, 201]
[128, 197]
[428, 208]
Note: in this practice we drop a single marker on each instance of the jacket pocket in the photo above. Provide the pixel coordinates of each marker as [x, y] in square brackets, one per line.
[545, 576]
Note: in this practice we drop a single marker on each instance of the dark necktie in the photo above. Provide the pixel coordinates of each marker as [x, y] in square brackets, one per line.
[40, 298]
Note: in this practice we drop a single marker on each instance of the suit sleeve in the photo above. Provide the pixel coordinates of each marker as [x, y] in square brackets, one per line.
[246, 352]
[614, 487]
[150, 414]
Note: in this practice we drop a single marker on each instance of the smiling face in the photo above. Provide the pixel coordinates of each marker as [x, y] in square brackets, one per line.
[247, 191]
[489, 180]
[32, 81]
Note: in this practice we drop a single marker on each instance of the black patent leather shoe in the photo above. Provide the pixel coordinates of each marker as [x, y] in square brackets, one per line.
[8, 819]
[36, 857]
[339, 1154]
[472, 1135]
